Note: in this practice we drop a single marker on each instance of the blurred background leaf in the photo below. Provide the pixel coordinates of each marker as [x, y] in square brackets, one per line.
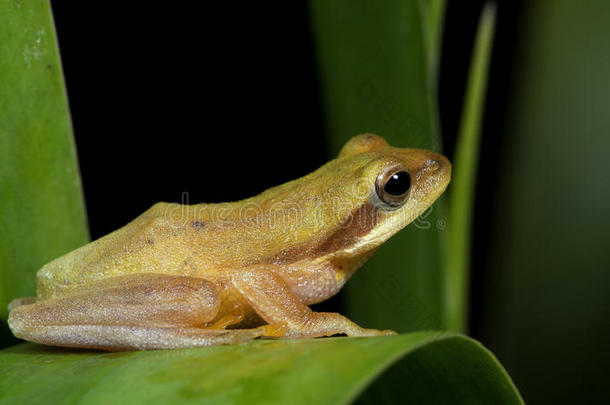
[322, 371]
[433, 17]
[374, 78]
[462, 190]
[545, 303]
[42, 215]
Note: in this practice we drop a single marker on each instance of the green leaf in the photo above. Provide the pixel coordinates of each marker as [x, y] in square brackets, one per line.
[374, 77]
[442, 368]
[41, 210]
[462, 187]
[433, 16]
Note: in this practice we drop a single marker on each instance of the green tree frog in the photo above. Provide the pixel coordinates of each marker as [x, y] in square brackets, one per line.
[210, 274]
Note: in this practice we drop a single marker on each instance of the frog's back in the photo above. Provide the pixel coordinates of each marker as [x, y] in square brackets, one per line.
[280, 225]
[161, 240]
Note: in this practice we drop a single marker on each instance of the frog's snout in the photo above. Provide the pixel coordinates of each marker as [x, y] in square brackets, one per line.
[435, 165]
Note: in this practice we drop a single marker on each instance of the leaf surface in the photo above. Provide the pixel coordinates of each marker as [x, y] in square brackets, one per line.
[42, 214]
[442, 368]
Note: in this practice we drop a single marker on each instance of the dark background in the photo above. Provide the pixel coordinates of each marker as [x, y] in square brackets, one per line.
[223, 102]
[215, 103]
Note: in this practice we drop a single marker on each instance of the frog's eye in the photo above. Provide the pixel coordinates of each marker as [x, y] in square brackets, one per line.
[393, 185]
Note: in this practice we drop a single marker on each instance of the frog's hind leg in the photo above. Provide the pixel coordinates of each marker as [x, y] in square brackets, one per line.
[121, 338]
[141, 311]
[17, 302]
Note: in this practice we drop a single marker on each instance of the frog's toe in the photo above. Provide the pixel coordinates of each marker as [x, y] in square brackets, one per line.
[276, 330]
[377, 332]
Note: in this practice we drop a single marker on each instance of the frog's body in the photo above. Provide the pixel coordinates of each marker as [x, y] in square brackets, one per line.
[180, 276]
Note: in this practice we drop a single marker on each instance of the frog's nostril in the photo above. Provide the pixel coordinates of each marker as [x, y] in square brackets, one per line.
[433, 165]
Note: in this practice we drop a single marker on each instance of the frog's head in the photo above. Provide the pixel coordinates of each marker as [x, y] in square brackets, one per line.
[383, 189]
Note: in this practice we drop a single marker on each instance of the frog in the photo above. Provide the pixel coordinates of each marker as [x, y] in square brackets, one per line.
[182, 276]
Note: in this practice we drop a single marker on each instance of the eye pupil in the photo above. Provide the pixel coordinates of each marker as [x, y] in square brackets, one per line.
[392, 186]
[398, 183]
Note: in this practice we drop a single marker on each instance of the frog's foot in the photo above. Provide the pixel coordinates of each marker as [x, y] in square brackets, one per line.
[328, 324]
[226, 321]
[141, 311]
[288, 317]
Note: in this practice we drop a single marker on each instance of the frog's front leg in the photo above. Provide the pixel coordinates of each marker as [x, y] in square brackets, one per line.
[271, 297]
[139, 311]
